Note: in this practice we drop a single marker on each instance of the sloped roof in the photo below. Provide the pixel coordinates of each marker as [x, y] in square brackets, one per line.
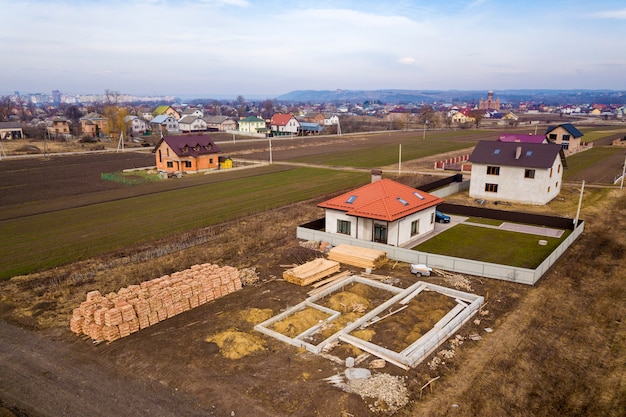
[315, 127]
[384, 199]
[10, 125]
[571, 129]
[281, 119]
[514, 137]
[160, 110]
[161, 118]
[190, 145]
[215, 119]
[251, 119]
[532, 155]
[188, 119]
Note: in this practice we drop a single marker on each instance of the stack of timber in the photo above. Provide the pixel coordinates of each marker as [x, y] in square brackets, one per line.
[357, 256]
[310, 272]
[136, 307]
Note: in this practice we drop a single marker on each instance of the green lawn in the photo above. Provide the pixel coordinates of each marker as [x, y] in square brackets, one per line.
[583, 160]
[46, 240]
[491, 245]
[377, 156]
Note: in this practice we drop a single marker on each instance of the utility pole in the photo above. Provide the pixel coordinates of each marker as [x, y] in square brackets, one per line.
[580, 201]
[270, 139]
[400, 159]
[425, 124]
[623, 173]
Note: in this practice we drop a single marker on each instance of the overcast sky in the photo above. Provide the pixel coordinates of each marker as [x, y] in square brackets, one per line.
[212, 48]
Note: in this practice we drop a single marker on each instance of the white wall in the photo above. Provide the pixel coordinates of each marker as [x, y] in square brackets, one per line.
[512, 186]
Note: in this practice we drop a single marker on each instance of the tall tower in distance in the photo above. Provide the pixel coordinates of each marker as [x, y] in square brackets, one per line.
[490, 103]
[56, 96]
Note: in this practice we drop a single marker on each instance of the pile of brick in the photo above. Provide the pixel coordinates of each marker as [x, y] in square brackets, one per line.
[136, 307]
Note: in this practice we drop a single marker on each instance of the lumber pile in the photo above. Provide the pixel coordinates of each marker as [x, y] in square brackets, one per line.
[357, 256]
[310, 272]
[136, 307]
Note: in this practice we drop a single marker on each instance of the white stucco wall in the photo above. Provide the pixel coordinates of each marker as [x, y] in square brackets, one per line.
[398, 232]
[512, 186]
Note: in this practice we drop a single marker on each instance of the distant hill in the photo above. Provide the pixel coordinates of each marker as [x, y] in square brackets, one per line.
[549, 97]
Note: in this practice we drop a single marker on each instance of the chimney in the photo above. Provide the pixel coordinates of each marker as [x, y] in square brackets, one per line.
[518, 152]
[376, 175]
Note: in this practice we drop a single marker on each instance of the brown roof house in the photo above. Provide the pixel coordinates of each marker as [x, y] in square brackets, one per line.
[383, 211]
[529, 173]
[186, 154]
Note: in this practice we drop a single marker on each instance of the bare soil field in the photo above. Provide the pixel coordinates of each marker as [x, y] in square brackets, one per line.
[557, 348]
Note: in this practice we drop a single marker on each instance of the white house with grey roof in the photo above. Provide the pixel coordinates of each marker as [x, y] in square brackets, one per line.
[530, 173]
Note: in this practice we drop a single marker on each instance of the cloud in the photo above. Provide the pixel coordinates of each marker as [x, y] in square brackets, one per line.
[611, 14]
[407, 60]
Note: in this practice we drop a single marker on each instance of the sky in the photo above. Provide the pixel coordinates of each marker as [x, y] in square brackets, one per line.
[226, 48]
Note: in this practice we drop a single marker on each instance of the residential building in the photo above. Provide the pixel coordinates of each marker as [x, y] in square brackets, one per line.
[284, 124]
[529, 173]
[382, 211]
[167, 110]
[565, 135]
[191, 123]
[220, 123]
[164, 124]
[11, 130]
[136, 125]
[94, 124]
[58, 126]
[252, 124]
[186, 154]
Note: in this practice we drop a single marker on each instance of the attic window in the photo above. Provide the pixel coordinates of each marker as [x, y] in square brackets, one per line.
[496, 152]
[351, 199]
[529, 153]
[404, 202]
[418, 195]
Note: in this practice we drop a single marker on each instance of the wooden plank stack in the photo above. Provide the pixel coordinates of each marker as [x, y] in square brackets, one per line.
[310, 272]
[357, 256]
[136, 307]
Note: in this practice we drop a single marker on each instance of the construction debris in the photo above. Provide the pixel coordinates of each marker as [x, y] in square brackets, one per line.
[358, 256]
[311, 272]
[136, 307]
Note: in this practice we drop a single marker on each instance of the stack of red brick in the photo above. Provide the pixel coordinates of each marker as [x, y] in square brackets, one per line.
[139, 306]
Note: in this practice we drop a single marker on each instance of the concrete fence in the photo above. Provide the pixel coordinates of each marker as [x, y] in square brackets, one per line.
[448, 263]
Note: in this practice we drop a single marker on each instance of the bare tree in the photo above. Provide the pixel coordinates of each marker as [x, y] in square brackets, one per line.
[111, 98]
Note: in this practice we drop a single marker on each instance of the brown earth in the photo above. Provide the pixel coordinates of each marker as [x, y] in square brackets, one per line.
[557, 348]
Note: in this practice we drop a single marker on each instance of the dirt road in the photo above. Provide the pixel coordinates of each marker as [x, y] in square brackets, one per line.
[61, 379]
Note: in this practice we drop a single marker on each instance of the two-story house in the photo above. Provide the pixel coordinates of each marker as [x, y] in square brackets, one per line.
[529, 173]
[565, 135]
[58, 126]
[220, 123]
[164, 124]
[186, 154]
[252, 124]
[94, 124]
[284, 124]
[192, 123]
[136, 125]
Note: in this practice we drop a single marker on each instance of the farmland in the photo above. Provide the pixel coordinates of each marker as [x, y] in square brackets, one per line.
[544, 357]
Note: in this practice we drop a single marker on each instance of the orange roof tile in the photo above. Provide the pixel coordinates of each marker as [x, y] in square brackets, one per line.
[281, 119]
[382, 200]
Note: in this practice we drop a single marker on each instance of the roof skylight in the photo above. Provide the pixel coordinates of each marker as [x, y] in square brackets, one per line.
[406, 203]
[418, 195]
[351, 199]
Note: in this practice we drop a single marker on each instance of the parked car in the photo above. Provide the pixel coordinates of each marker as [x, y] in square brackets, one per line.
[421, 269]
[441, 218]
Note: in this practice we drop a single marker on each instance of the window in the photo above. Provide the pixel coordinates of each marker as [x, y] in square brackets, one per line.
[187, 164]
[548, 189]
[552, 136]
[432, 218]
[343, 227]
[565, 145]
[550, 172]
[529, 173]
[402, 201]
[170, 164]
[351, 199]
[491, 188]
[415, 227]
[559, 168]
[493, 170]
[210, 161]
[566, 137]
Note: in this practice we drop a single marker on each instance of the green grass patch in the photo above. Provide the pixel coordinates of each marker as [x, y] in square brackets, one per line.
[134, 177]
[47, 240]
[491, 245]
[587, 159]
[377, 156]
[591, 135]
[483, 220]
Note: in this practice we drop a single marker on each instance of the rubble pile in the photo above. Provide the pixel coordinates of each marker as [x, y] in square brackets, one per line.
[136, 307]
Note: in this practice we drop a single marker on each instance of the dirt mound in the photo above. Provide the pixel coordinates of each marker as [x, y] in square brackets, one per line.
[256, 315]
[234, 344]
[298, 322]
[347, 301]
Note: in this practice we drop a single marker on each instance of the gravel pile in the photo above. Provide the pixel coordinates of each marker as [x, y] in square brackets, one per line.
[390, 392]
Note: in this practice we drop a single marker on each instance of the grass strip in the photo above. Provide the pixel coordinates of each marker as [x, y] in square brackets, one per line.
[47, 240]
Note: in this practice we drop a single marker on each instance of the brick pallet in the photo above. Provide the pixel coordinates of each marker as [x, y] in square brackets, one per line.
[136, 307]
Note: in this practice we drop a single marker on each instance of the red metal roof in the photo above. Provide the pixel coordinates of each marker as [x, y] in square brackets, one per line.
[281, 119]
[384, 199]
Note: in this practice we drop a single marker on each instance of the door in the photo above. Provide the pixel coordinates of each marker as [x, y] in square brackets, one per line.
[380, 233]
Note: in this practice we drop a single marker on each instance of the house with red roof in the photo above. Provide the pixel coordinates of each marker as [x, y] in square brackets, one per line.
[284, 124]
[186, 154]
[382, 211]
